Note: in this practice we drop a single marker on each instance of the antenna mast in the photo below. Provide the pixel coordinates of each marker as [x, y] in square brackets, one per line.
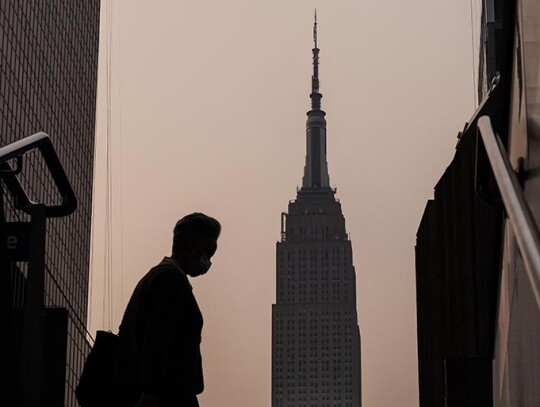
[315, 77]
[315, 95]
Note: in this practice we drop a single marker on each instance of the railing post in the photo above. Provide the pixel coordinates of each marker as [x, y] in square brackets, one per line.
[34, 313]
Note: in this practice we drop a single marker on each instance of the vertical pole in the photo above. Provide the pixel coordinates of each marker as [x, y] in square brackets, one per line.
[11, 353]
[34, 313]
[283, 226]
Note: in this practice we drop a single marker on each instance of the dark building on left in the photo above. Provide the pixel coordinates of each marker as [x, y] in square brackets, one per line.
[48, 83]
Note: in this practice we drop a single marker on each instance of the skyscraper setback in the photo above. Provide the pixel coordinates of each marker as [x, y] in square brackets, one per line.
[315, 333]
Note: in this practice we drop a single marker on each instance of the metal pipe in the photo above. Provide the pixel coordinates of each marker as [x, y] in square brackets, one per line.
[32, 352]
[16, 150]
[517, 209]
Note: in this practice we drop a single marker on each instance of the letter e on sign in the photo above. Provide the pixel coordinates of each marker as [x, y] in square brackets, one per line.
[12, 242]
[15, 241]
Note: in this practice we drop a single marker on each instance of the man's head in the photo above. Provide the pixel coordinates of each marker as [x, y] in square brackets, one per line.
[195, 242]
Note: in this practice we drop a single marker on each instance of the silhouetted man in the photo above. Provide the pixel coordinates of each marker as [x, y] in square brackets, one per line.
[159, 359]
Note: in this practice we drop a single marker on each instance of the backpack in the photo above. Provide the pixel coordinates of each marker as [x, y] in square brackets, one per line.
[96, 384]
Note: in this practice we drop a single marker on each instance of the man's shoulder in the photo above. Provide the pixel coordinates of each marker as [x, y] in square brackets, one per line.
[169, 263]
[168, 272]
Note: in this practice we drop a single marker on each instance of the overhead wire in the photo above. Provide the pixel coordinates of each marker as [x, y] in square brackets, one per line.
[108, 293]
[474, 73]
[121, 160]
[107, 258]
[113, 184]
[97, 160]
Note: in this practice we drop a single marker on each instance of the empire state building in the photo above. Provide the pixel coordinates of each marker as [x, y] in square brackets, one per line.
[315, 333]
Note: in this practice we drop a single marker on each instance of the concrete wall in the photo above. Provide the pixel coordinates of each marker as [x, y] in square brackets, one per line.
[517, 351]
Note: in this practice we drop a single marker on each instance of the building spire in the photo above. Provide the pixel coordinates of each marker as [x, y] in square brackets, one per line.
[315, 95]
[316, 169]
[315, 29]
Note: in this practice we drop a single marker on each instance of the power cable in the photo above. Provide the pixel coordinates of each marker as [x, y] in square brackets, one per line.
[475, 91]
[107, 258]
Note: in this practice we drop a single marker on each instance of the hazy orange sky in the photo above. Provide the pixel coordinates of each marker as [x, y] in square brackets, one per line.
[204, 103]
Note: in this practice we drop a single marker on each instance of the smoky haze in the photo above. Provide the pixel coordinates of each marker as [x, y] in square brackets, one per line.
[204, 104]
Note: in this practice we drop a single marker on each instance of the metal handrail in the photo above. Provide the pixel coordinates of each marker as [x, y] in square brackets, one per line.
[16, 150]
[517, 209]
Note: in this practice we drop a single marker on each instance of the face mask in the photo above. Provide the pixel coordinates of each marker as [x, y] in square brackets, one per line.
[197, 267]
[204, 263]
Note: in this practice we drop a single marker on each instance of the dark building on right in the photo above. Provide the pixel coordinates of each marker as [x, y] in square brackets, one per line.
[478, 245]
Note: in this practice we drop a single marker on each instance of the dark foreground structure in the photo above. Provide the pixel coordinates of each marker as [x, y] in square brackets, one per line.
[315, 333]
[477, 252]
[48, 80]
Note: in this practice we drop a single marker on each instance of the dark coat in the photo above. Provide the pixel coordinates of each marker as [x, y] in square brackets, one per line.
[160, 336]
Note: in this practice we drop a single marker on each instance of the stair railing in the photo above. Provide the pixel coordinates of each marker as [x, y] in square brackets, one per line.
[515, 204]
[23, 241]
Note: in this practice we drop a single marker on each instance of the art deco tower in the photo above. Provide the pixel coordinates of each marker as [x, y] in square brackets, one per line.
[315, 334]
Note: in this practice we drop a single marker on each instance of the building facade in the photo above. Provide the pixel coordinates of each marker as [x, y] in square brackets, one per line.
[516, 356]
[48, 83]
[315, 333]
[478, 317]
